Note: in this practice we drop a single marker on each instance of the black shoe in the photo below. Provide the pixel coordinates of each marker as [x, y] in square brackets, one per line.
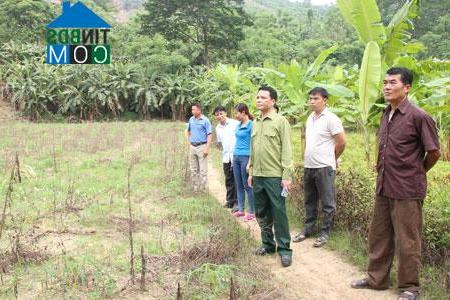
[263, 251]
[286, 260]
[360, 284]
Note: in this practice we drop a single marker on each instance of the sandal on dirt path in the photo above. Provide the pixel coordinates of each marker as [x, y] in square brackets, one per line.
[299, 237]
[360, 284]
[407, 295]
[320, 241]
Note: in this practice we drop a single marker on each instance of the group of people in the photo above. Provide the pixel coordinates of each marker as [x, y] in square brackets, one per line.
[257, 163]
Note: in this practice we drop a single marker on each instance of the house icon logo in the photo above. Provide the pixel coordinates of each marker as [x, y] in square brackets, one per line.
[78, 36]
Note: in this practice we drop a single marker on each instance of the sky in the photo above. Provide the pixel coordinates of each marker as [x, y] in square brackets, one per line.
[320, 2]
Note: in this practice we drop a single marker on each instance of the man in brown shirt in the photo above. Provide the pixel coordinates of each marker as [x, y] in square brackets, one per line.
[408, 148]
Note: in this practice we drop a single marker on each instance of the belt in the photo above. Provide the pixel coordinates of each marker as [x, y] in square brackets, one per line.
[198, 144]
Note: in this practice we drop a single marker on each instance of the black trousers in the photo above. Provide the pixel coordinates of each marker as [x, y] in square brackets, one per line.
[319, 186]
[229, 184]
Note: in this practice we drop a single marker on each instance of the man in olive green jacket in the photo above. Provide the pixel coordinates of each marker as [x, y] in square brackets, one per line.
[270, 175]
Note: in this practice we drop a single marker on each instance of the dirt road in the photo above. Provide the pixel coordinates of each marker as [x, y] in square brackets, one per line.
[314, 274]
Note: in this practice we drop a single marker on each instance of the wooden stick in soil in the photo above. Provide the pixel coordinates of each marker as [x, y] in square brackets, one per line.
[130, 227]
[18, 168]
[232, 290]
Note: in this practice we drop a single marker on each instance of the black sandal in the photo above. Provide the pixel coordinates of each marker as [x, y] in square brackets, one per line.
[408, 295]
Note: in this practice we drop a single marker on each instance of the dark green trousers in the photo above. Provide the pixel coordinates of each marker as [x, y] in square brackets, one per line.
[271, 214]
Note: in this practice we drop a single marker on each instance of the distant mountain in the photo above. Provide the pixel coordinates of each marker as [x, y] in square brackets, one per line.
[274, 5]
[131, 4]
[270, 4]
[128, 5]
[125, 8]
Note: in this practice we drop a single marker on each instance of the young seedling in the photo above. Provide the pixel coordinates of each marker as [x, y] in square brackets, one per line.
[179, 296]
[130, 224]
[19, 177]
[143, 269]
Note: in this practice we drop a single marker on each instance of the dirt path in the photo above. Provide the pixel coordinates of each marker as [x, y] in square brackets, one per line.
[315, 273]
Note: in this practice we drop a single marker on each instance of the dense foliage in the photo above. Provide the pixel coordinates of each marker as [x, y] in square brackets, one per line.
[213, 26]
[158, 69]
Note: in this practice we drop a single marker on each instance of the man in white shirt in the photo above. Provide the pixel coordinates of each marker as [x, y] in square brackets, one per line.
[226, 137]
[325, 142]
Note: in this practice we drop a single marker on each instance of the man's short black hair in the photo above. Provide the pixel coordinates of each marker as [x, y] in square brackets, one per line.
[197, 104]
[219, 108]
[406, 76]
[319, 90]
[271, 90]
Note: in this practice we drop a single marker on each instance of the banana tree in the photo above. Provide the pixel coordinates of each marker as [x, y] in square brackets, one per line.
[369, 81]
[433, 95]
[394, 40]
[232, 85]
[177, 90]
[385, 45]
[294, 80]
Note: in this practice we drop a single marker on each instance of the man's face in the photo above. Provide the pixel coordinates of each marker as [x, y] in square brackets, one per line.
[394, 89]
[196, 112]
[263, 101]
[221, 116]
[316, 102]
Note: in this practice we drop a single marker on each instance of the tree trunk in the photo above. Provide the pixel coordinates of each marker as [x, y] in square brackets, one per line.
[302, 142]
[174, 112]
[447, 154]
[366, 132]
[181, 113]
[205, 44]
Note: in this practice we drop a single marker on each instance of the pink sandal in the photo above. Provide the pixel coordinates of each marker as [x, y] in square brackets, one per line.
[249, 217]
[239, 214]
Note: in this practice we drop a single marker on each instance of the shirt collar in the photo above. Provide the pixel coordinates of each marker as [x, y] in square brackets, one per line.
[402, 107]
[270, 115]
[324, 111]
[244, 125]
[200, 118]
[227, 122]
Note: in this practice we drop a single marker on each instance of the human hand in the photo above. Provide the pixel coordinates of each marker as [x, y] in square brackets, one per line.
[287, 184]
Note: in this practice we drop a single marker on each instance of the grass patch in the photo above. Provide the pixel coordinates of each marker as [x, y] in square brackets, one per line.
[72, 207]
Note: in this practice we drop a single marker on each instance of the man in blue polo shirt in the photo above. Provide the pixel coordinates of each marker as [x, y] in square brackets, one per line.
[199, 133]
